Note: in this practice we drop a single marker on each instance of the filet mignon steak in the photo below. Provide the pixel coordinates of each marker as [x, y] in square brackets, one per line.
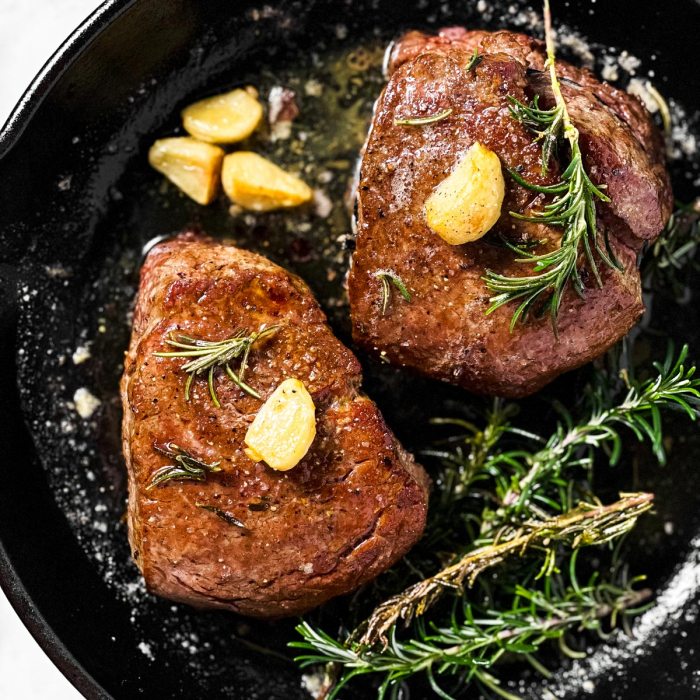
[444, 330]
[247, 538]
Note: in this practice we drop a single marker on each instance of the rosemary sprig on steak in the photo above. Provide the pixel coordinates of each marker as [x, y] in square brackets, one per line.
[208, 355]
[522, 503]
[675, 251]
[573, 208]
[547, 124]
[388, 278]
[186, 467]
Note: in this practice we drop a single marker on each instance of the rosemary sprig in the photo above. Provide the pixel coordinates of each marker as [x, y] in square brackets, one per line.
[535, 478]
[664, 110]
[530, 485]
[422, 121]
[208, 355]
[461, 470]
[674, 250]
[585, 525]
[674, 386]
[388, 278]
[572, 208]
[186, 466]
[501, 510]
[480, 634]
[472, 472]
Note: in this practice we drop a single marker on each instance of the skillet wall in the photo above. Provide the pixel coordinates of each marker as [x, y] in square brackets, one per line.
[118, 83]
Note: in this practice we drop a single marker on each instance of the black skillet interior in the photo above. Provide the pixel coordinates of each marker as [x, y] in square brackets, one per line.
[79, 203]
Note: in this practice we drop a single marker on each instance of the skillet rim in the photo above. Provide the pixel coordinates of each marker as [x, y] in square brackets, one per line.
[21, 115]
[55, 66]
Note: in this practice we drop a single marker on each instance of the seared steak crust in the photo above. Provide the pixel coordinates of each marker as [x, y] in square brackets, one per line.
[352, 507]
[444, 331]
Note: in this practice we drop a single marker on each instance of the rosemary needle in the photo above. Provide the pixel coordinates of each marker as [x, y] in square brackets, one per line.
[474, 60]
[423, 121]
[388, 278]
[675, 250]
[223, 514]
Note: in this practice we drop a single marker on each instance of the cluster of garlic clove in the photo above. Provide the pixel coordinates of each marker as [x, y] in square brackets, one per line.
[194, 163]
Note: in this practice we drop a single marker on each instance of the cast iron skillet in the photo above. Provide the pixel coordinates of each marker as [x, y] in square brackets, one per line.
[78, 203]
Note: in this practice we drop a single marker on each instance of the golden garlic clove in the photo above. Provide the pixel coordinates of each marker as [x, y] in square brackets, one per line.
[255, 183]
[467, 203]
[226, 118]
[284, 427]
[190, 164]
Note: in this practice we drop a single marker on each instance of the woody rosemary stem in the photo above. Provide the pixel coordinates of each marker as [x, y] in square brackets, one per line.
[552, 65]
[586, 525]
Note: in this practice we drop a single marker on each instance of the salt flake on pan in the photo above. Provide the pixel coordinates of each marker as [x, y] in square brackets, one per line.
[313, 88]
[85, 403]
[577, 45]
[146, 650]
[323, 205]
[610, 70]
[640, 88]
[81, 354]
[629, 62]
[315, 684]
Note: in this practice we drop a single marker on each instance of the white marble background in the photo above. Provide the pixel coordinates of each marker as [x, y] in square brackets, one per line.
[30, 31]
